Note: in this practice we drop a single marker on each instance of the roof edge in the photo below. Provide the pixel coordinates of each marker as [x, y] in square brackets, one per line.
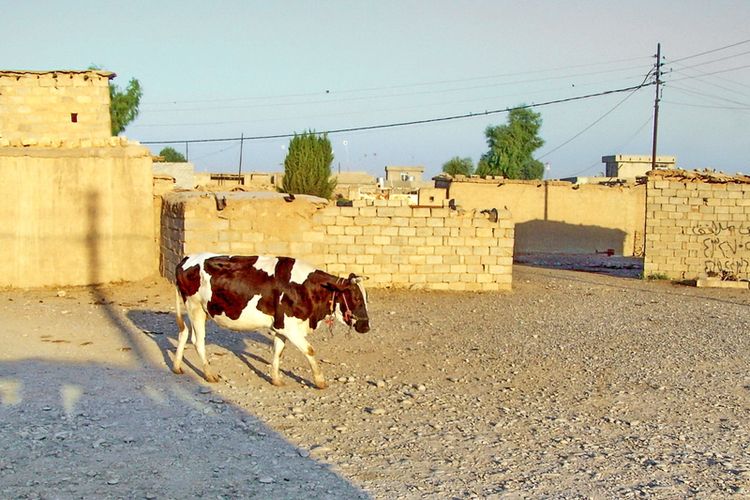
[108, 74]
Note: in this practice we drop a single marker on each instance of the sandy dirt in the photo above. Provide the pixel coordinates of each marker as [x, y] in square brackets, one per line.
[574, 385]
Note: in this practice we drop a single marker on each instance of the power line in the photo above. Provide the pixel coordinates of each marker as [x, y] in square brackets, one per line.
[412, 122]
[420, 84]
[334, 99]
[711, 51]
[598, 119]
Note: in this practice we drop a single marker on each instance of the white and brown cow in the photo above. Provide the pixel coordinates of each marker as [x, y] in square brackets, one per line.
[286, 295]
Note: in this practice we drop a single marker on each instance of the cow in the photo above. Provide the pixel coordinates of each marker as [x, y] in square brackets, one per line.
[288, 296]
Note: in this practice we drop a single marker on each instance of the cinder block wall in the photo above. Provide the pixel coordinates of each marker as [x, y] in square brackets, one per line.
[50, 108]
[560, 217]
[697, 226]
[390, 242]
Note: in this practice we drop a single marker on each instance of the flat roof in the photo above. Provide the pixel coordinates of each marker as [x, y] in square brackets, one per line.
[15, 72]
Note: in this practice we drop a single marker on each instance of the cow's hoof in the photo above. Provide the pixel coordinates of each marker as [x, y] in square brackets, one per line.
[211, 378]
[177, 371]
[321, 384]
[277, 382]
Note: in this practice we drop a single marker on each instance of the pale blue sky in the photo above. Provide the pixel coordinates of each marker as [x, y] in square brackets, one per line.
[222, 69]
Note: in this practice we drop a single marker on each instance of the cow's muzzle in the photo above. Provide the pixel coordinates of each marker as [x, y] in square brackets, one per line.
[362, 325]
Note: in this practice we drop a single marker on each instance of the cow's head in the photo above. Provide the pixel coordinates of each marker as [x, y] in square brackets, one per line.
[350, 302]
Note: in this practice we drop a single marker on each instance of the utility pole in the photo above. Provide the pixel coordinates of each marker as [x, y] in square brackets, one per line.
[242, 141]
[656, 105]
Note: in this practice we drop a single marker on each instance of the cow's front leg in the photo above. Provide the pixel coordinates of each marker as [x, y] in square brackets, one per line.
[278, 347]
[300, 342]
[199, 329]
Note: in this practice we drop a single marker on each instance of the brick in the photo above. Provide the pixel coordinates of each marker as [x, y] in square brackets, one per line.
[364, 240]
[391, 250]
[364, 259]
[363, 221]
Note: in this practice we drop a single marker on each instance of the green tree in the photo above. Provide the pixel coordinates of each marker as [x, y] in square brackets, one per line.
[511, 147]
[307, 167]
[458, 166]
[172, 155]
[123, 104]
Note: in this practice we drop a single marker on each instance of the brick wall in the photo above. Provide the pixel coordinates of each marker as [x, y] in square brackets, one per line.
[697, 225]
[560, 217]
[390, 242]
[54, 108]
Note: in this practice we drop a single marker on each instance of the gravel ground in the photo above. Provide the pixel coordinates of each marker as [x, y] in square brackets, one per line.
[575, 385]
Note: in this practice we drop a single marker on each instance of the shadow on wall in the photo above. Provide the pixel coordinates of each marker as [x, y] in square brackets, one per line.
[540, 236]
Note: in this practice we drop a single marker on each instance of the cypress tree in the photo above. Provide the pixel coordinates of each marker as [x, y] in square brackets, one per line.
[307, 167]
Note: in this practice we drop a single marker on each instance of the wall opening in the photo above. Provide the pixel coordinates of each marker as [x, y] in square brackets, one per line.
[74, 117]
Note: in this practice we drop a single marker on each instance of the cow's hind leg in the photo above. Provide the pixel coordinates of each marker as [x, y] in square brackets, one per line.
[181, 339]
[198, 320]
[301, 343]
[278, 347]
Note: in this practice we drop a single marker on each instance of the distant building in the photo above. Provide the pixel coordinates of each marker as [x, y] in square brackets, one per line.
[403, 175]
[632, 166]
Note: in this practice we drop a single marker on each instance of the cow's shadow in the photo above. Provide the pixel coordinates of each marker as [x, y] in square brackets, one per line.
[160, 326]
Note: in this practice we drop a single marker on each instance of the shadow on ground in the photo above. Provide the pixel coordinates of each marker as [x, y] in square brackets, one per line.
[90, 430]
[614, 265]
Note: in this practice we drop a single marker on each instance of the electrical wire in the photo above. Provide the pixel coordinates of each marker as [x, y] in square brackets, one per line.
[598, 119]
[421, 84]
[412, 122]
[711, 51]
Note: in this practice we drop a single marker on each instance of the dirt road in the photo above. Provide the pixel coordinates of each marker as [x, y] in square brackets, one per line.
[573, 385]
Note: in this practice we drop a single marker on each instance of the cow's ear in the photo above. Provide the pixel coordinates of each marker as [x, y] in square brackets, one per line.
[353, 278]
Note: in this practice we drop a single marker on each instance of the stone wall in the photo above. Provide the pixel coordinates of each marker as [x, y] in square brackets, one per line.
[392, 243]
[49, 108]
[697, 225]
[560, 217]
[75, 216]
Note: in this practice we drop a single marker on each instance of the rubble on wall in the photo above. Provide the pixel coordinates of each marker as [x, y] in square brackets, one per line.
[707, 176]
[49, 142]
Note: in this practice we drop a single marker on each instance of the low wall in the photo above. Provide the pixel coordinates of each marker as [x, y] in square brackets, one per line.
[697, 225]
[390, 242]
[560, 217]
[75, 216]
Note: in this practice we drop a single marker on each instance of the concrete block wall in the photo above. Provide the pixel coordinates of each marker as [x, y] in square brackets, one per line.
[75, 216]
[390, 242]
[560, 217]
[697, 226]
[47, 108]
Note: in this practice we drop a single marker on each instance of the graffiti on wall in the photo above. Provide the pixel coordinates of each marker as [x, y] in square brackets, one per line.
[726, 247]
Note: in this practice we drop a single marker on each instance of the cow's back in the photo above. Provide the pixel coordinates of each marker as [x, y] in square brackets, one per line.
[245, 292]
